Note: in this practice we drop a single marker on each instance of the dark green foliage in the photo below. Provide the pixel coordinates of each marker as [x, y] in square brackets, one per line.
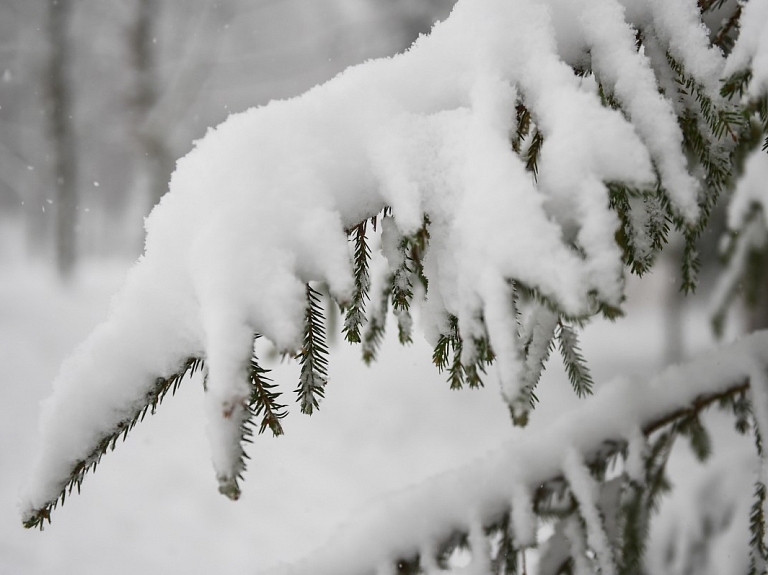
[525, 126]
[709, 135]
[726, 34]
[701, 442]
[690, 265]
[742, 409]
[411, 566]
[523, 123]
[313, 356]
[637, 503]
[153, 397]
[447, 355]
[758, 553]
[607, 98]
[736, 84]
[355, 313]
[504, 562]
[263, 403]
[533, 152]
[653, 217]
[412, 248]
[404, 326]
[575, 364]
[376, 327]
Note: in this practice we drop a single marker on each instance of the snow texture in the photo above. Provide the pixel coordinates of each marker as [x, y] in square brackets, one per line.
[260, 206]
[746, 222]
[751, 50]
[420, 517]
[585, 489]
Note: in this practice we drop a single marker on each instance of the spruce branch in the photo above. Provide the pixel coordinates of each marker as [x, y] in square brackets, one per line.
[550, 492]
[355, 313]
[152, 398]
[404, 326]
[701, 442]
[263, 403]
[447, 355]
[533, 152]
[376, 326]
[575, 364]
[736, 84]
[523, 127]
[758, 553]
[691, 264]
[412, 249]
[313, 356]
[644, 224]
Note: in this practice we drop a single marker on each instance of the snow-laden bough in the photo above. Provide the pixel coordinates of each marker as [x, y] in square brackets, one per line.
[506, 150]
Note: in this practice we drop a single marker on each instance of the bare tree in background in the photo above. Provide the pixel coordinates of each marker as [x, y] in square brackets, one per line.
[61, 125]
[155, 157]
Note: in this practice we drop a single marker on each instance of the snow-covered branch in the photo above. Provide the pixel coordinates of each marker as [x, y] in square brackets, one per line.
[505, 151]
[428, 517]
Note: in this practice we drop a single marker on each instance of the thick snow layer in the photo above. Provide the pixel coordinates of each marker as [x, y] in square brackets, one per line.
[152, 505]
[260, 207]
[751, 50]
[399, 525]
[751, 190]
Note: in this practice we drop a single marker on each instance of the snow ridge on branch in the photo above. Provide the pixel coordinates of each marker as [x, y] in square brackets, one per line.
[432, 516]
[497, 149]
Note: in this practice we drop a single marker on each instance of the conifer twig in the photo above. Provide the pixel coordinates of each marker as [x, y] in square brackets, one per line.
[313, 356]
[152, 398]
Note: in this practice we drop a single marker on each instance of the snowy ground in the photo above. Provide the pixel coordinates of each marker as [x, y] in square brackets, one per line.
[152, 506]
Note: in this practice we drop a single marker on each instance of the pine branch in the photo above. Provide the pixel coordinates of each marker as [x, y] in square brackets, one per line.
[537, 338]
[152, 398]
[700, 440]
[533, 152]
[638, 502]
[263, 403]
[758, 554]
[313, 356]
[447, 355]
[551, 494]
[404, 326]
[402, 286]
[690, 265]
[450, 344]
[376, 327]
[575, 364]
[355, 314]
[736, 84]
[523, 122]
[641, 235]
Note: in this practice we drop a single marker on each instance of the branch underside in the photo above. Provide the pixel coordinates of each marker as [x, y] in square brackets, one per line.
[153, 397]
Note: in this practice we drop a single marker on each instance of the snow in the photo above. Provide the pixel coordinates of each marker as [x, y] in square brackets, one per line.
[397, 525]
[750, 190]
[752, 47]
[152, 505]
[260, 207]
[575, 534]
[585, 489]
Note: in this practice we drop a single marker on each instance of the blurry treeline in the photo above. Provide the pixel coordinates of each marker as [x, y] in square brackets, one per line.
[98, 98]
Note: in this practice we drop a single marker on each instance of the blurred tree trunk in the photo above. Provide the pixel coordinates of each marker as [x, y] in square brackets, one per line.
[61, 126]
[155, 159]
